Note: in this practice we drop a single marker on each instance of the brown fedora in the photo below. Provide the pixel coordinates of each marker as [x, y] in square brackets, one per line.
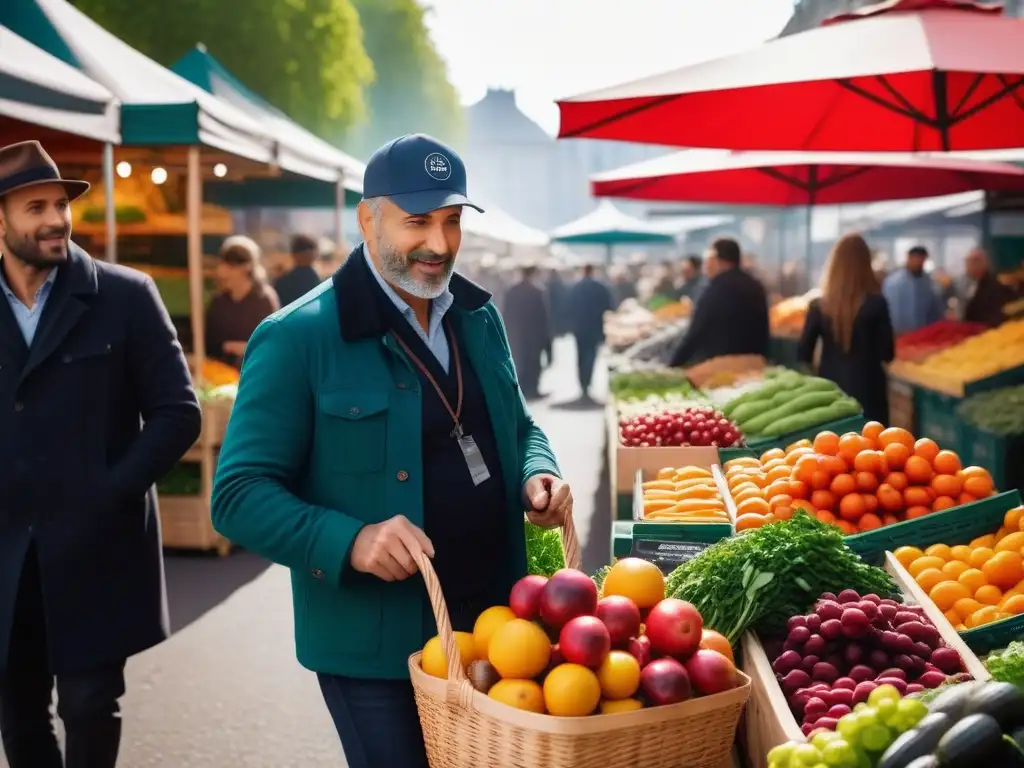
[26, 164]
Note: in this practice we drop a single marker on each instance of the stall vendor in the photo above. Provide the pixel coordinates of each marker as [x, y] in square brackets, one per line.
[245, 299]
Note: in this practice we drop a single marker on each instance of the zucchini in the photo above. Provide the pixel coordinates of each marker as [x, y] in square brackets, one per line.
[793, 407]
[1003, 701]
[972, 741]
[752, 410]
[954, 700]
[918, 742]
[785, 381]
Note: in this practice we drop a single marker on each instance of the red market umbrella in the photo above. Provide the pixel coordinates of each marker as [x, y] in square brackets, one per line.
[906, 75]
[802, 178]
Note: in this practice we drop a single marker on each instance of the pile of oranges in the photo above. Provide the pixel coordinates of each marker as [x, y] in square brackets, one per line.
[974, 584]
[857, 481]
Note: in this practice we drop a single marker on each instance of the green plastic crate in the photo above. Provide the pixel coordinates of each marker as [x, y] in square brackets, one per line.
[626, 532]
[952, 526]
[1002, 456]
[851, 424]
[935, 416]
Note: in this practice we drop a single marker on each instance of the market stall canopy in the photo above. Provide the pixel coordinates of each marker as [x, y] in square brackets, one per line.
[802, 178]
[41, 89]
[906, 75]
[607, 225]
[883, 214]
[158, 108]
[297, 147]
[499, 226]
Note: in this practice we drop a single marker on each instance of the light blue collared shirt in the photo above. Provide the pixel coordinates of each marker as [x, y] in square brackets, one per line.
[28, 319]
[434, 337]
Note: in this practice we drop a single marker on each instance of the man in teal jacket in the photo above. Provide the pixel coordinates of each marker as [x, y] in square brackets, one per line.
[377, 418]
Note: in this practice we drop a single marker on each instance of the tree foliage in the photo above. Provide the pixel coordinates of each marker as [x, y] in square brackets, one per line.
[306, 57]
[411, 92]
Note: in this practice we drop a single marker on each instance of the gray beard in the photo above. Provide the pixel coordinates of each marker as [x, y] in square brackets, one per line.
[396, 269]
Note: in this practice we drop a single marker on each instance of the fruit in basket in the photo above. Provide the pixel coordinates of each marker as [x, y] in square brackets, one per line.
[521, 694]
[434, 661]
[639, 580]
[713, 641]
[519, 649]
[711, 672]
[665, 681]
[568, 593]
[585, 641]
[674, 627]
[690, 426]
[487, 623]
[571, 690]
[640, 649]
[524, 600]
[482, 675]
[619, 675]
[620, 705]
[622, 618]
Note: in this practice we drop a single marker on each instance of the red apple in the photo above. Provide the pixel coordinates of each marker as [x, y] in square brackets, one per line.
[622, 618]
[711, 672]
[640, 649]
[568, 594]
[585, 641]
[665, 681]
[524, 600]
[674, 627]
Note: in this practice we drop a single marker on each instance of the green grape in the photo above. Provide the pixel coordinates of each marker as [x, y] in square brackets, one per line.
[782, 753]
[886, 709]
[804, 755]
[875, 738]
[868, 717]
[823, 738]
[911, 711]
[839, 754]
[883, 693]
[860, 706]
[863, 760]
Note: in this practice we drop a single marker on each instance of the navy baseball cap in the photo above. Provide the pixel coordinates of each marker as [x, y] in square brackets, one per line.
[417, 173]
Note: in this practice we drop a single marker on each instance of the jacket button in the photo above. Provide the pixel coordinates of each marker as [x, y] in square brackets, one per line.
[65, 358]
[19, 407]
[402, 475]
[354, 411]
[317, 573]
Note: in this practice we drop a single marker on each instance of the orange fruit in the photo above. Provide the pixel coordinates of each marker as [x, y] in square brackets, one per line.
[1014, 605]
[916, 496]
[965, 498]
[869, 522]
[947, 485]
[434, 661]
[979, 556]
[918, 470]
[750, 521]
[823, 500]
[979, 487]
[896, 435]
[907, 555]
[619, 675]
[640, 581]
[826, 443]
[622, 705]
[1011, 542]
[757, 506]
[802, 443]
[792, 457]
[825, 516]
[820, 480]
[805, 505]
[927, 449]
[989, 595]
[973, 578]
[745, 493]
[1004, 569]
[712, 641]
[975, 471]
[778, 475]
[780, 500]
[952, 617]
[846, 527]
[519, 649]
[870, 502]
[868, 461]
[889, 498]
[896, 455]
[798, 490]
[916, 512]
[939, 550]
[867, 482]
[843, 484]
[772, 454]
[966, 606]
[783, 512]
[955, 568]
[1012, 518]
[778, 487]
[943, 502]
[897, 480]
[961, 552]
[872, 430]
[852, 507]
[1001, 534]
[982, 616]
[946, 463]
[833, 465]
[988, 540]
[487, 623]
[929, 578]
[571, 690]
[925, 563]
[946, 593]
[526, 695]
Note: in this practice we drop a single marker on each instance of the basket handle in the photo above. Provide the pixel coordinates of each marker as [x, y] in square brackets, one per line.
[460, 690]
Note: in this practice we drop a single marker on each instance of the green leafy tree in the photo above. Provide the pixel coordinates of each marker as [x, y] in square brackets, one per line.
[306, 57]
[411, 92]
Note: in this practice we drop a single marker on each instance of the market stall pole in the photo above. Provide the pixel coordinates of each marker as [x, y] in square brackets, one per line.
[339, 216]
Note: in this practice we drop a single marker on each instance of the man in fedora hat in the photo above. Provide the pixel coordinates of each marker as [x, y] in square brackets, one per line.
[87, 352]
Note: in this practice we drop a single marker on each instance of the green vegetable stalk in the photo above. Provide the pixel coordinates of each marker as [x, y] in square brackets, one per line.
[762, 578]
[1007, 665]
[544, 553]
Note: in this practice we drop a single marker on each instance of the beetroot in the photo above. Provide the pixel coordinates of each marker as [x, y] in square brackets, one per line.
[837, 711]
[815, 645]
[845, 682]
[947, 660]
[904, 617]
[828, 610]
[814, 709]
[799, 635]
[813, 622]
[931, 679]
[849, 596]
[807, 665]
[831, 629]
[862, 691]
[895, 682]
[787, 661]
[796, 621]
[862, 673]
[794, 680]
[914, 688]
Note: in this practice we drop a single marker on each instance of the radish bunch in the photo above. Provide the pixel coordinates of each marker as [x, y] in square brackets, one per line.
[832, 659]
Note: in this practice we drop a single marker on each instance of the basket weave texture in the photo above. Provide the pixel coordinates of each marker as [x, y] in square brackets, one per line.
[463, 728]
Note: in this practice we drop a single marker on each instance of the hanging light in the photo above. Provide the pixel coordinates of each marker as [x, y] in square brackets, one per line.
[159, 175]
[123, 169]
[220, 170]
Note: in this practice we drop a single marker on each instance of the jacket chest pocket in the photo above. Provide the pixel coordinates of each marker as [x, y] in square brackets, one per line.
[90, 360]
[352, 428]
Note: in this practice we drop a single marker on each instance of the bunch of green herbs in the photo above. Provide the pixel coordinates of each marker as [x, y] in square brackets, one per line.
[1007, 665]
[544, 553]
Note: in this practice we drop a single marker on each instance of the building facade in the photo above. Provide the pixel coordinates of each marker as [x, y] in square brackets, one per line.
[810, 13]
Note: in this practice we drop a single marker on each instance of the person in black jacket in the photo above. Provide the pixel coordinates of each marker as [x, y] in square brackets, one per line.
[852, 322]
[589, 300]
[985, 296]
[302, 277]
[731, 317]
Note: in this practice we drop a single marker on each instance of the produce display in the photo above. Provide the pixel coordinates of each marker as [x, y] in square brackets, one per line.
[1007, 665]
[687, 495]
[789, 402]
[671, 310]
[635, 385]
[977, 357]
[856, 482]
[628, 324]
[974, 584]
[999, 410]
[920, 344]
[761, 579]
[837, 655]
[787, 317]
[561, 648]
[652, 349]
[690, 426]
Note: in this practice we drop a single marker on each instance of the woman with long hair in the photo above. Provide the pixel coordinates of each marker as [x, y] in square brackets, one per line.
[244, 300]
[851, 320]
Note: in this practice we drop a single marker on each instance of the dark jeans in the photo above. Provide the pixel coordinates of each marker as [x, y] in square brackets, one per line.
[87, 702]
[586, 357]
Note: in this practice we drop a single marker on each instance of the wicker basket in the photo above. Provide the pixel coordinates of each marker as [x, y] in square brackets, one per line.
[463, 728]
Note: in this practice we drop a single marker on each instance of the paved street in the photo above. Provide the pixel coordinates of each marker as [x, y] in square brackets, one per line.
[226, 692]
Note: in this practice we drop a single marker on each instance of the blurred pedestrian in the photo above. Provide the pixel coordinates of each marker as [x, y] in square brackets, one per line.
[556, 295]
[913, 296]
[529, 331]
[97, 405]
[851, 320]
[302, 277]
[984, 296]
[589, 300]
[693, 280]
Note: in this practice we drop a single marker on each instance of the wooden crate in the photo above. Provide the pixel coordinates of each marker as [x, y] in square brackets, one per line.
[185, 524]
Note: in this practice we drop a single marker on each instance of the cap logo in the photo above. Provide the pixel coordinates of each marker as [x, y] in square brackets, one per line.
[437, 166]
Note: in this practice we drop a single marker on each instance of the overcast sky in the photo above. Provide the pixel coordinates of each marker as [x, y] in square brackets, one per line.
[547, 49]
